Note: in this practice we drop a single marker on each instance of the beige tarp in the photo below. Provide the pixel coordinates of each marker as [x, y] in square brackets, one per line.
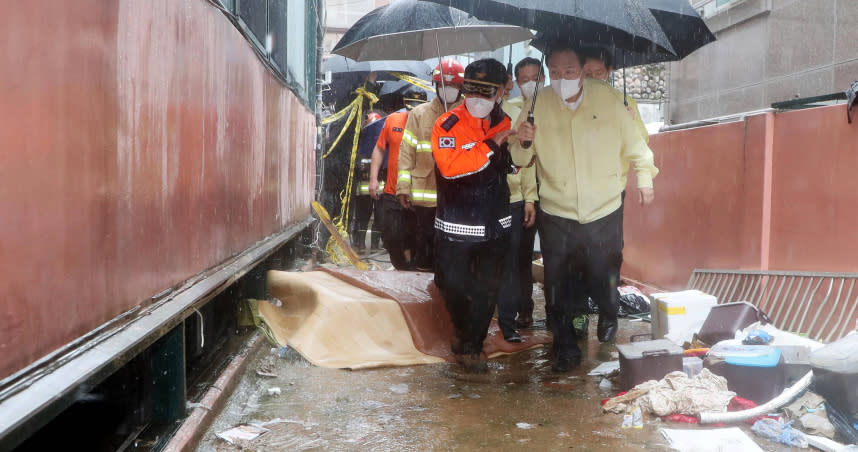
[335, 324]
[361, 319]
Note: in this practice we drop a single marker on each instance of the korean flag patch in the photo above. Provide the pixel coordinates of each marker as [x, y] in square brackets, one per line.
[447, 142]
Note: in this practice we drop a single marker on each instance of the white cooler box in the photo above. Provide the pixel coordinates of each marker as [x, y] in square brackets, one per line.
[681, 313]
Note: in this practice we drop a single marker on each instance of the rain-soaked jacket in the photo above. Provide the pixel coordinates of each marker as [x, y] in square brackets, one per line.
[473, 196]
[416, 167]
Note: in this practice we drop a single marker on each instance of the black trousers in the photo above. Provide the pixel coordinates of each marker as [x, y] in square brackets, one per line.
[469, 275]
[363, 208]
[525, 268]
[400, 232]
[580, 260]
[425, 237]
[516, 290]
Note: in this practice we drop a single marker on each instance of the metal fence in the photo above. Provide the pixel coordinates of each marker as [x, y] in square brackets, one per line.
[820, 305]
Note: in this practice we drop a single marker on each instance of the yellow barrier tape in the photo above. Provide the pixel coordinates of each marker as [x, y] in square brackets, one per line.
[338, 237]
[354, 109]
[338, 249]
[418, 82]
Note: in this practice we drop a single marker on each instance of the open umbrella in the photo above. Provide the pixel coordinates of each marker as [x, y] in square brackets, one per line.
[347, 74]
[415, 29]
[338, 64]
[626, 24]
[681, 24]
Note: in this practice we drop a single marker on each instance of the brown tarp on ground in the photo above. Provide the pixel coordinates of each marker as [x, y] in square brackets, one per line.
[349, 319]
[334, 324]
[426, 315]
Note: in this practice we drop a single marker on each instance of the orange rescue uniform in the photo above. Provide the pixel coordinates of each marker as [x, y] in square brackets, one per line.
[389, 140]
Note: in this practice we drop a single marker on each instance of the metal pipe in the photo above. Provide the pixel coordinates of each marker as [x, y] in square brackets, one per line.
[822, 305]
[780, 306]
[849, 317]
[806, 300]
[842, 312]
[713, 121]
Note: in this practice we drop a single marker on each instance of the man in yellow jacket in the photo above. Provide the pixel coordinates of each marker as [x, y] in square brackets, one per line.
[598, 64]
[582, 136]
[415, 183]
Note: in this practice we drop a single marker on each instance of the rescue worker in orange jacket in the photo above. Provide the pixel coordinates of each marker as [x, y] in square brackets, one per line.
[473, 217]
[415, 184]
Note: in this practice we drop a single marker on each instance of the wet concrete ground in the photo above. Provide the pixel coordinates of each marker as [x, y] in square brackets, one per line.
[519, 405]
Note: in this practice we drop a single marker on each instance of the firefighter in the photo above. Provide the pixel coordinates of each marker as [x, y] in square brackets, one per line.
[473, 215]
[415, 183]
[399, 224]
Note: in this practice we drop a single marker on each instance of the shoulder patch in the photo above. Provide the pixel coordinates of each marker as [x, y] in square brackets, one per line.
[449, 122]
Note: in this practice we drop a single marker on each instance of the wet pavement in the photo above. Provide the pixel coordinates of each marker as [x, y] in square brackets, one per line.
[519, 405]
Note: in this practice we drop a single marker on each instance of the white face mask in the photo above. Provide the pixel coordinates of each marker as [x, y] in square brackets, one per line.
[528, 89]
[479, 107]
[566, 88]
[448, 93]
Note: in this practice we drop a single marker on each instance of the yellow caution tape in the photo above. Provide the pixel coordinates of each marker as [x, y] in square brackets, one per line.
[418, 82]
[337, 247]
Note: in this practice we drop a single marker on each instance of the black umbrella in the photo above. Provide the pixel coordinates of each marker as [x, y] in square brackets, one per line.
[348, 74]
[681, 24]
[414, 29]
[624, 24]
[338, 64]
[400, 86]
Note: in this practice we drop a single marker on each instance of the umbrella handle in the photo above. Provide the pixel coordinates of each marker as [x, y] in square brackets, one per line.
[528, 143]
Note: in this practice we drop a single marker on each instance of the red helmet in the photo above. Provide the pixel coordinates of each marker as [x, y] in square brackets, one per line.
[453, 70]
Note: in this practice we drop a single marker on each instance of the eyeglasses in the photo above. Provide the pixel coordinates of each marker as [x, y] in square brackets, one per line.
[479, 87]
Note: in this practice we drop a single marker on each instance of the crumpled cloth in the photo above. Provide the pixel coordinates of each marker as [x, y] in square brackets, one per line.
[676, 393]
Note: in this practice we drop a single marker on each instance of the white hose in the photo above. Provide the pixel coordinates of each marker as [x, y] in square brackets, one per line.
[735, 416]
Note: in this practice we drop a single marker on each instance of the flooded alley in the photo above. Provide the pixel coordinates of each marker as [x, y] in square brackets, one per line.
[519, 405]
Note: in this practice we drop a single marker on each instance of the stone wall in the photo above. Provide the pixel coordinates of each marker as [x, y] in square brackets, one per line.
[647, 83]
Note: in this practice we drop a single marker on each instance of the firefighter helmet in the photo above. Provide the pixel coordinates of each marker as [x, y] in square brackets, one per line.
[453, 71]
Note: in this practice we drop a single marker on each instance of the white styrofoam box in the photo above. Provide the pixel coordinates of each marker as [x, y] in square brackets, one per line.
[679, 314]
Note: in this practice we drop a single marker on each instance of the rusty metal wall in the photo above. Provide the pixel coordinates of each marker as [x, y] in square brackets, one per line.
[141, 142]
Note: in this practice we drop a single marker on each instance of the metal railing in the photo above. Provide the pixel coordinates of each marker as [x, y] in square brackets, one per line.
[821, 305]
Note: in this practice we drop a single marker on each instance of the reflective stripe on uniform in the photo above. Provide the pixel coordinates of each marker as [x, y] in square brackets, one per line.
[459, 229]
[409, 138]
[424, 195]
[506, 222]
[404, 175]
[424, 146]
[363, 188]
